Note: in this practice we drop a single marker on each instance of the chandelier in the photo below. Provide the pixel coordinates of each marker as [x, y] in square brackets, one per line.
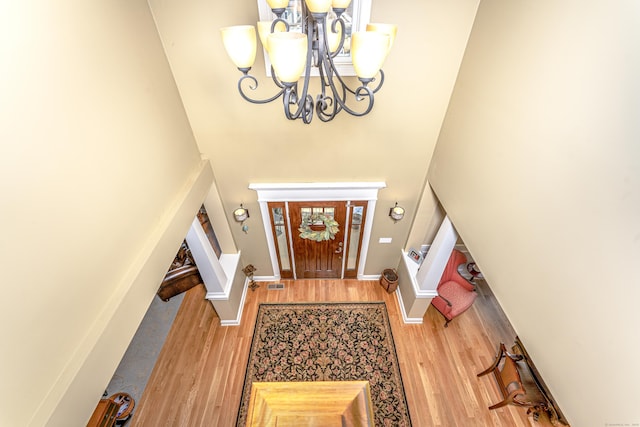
[294, 53]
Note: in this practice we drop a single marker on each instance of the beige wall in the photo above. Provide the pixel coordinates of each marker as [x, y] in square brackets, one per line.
[100, 178]
[255, 144]
[538, 166]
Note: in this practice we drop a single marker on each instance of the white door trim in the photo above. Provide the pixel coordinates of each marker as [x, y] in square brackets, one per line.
[317, 191]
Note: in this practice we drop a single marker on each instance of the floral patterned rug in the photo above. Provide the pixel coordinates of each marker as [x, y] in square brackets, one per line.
[328, 342]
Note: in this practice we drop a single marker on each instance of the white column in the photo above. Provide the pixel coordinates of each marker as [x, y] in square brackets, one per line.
[430, 271]
[213, 276]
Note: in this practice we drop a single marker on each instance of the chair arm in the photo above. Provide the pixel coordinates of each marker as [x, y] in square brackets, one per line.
[180, 272]
[446, 300]
[466, 284]
[442, 304]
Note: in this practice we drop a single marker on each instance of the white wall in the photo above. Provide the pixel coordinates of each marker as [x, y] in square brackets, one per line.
[538, 167]
[99, 180]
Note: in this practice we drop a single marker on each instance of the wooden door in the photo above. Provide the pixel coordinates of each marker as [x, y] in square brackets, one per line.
[313, 258]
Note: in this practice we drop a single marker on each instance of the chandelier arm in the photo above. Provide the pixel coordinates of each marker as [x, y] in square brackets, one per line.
[305, 105]
[304, 102]
[360, 94]
[304, 13]
[290, 98]
[337, 75]
[334, 25]
[340, 102]
[307, 115]
[380, 82]
[276, 21]
[360, 97]
[326, 106]
[275, 79]
[254, 87]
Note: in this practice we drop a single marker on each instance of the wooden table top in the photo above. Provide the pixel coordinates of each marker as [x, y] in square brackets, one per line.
[322, 403]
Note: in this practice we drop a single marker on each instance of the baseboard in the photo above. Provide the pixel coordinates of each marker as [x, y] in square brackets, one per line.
[266, 278]
[405, 318]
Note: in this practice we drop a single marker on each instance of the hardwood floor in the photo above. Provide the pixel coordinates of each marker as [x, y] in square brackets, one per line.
[198, 378]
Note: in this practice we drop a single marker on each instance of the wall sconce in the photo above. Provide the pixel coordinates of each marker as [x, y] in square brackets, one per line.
[396, 213]
[240, 215]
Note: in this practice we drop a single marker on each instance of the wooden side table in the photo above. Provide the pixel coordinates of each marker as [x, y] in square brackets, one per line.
[472, 268]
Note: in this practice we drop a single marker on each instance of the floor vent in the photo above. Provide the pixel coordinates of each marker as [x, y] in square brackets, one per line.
[275, 286]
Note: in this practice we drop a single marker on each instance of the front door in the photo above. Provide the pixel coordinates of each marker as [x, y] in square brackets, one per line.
[317, 240]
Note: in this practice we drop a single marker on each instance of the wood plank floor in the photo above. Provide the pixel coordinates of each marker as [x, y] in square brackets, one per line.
[198, 378]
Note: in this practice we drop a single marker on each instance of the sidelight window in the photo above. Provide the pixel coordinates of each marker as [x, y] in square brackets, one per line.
[281, 240]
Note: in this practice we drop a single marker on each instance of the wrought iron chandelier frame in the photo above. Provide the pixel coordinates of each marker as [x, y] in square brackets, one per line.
[334, 91]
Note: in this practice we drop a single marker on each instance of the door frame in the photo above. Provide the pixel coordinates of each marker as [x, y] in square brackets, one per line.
[316, 191]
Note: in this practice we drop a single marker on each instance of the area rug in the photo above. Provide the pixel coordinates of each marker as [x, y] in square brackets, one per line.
[328, 342]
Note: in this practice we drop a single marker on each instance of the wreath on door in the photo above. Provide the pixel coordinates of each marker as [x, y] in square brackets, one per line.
[327, 230]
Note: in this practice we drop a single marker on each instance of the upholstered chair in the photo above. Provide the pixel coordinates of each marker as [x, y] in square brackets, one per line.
[455, 294]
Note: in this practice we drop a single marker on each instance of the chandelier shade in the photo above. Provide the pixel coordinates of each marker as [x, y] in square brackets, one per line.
[309, 46]
[278, 4]
[288, 54]
[240, 44]
[340, 4]
[389, 29]
[264, 29]
[319, 6]
[368, 51]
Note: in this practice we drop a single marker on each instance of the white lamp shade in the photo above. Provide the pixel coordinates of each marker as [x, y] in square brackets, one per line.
[390, 29]
[318, 6]
[278, 4]
[240, 43]
[397, 213]
[240, 214]
[264, 29]
[341, 4]
[288, 55]
[368, 51]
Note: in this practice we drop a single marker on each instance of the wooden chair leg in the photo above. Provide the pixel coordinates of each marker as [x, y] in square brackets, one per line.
[499, 405]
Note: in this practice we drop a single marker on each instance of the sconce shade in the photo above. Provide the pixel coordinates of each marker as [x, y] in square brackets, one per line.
[288, 54]
[368, 51]
[240, 214]
[396, 213]
[240, 44]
